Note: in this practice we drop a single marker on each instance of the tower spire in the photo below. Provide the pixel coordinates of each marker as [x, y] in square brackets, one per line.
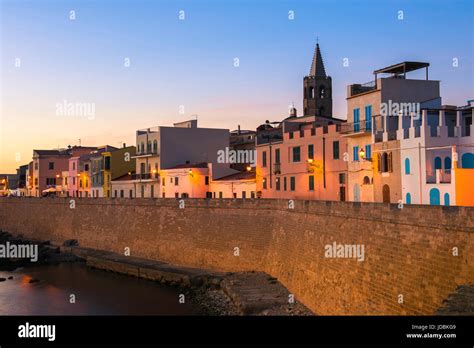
[317, 66]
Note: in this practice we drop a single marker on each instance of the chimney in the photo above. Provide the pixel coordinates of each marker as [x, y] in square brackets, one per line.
[238, 128]
[124, 145]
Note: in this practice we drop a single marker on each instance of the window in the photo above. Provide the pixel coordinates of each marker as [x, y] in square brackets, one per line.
[277, 156]
[446, 199]
[73, 165]
[437, 163]
[163, 181]
[335, 150]
[220, 194]
[313, 131]
[284, 183]
[155, 146]
[148, 146]
[65, 180]
[36, 181]
[342, 178]
[356, 114]
[80, 183]
[366, 180]
[311, 183]
[73, 180]
[121, 194]
[368, 151]
[244, 194]
[264, 183]
[292, 183]
[355, 153]
[36, 165]
[130, 193]
[408, 198]
[206, 180]
[107, 163]
[296, 154]
[277, 184]
[115, 193]
[368, 117]
[86, 167]
[311, 151]
[447, 163]
[252, 194]
[143, 146]
[171, 180]
[264, 158]
[176, 181]
[291, 135]
[389, 164]
[301, 133]
[152, 194]
[51, 165]
[87, 183]
[50, 181]
[142, 187]
[384, 162]
[407, 166]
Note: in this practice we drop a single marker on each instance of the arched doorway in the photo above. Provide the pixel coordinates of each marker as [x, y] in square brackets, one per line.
[434, 196]
[386, 193]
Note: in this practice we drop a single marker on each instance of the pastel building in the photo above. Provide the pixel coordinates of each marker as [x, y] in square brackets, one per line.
[373, 109]
[162, 147]
[48, 165]
[307, 163]
[437, 157]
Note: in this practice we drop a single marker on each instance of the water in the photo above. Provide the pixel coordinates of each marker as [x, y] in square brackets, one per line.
[97, 293]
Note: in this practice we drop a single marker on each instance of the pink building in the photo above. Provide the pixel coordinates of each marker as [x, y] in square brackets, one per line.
[302, 159]
[48, 166]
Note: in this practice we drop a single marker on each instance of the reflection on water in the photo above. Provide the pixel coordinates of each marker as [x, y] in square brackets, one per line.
[96, 293]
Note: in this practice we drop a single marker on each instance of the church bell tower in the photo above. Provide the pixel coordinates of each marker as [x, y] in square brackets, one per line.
[317, 99]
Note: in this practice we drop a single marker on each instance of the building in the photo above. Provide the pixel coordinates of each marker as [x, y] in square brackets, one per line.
[242, 142]
[124, 186]
[317, 88]
[48, 166]
[239, 185]
[161, 148]
[372, 123]
[186, 181]
[302, 157]
[116, 163]
[437, 156]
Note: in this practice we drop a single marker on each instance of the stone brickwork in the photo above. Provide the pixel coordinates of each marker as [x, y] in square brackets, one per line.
[408, 252]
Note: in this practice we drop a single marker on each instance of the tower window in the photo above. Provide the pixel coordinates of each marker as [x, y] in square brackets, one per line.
[311, 93]
[322, 92]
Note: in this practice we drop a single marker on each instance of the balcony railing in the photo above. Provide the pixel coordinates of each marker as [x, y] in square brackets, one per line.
[356, 127]
[440, 176]
[147, 152]
[145, 176]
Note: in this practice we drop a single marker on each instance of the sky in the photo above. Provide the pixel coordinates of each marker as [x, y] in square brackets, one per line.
[138, 64]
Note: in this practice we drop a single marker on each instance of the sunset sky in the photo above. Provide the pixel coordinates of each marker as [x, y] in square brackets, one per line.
[190, 62]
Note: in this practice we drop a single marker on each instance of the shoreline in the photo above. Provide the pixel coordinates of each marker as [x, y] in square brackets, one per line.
[214, 293]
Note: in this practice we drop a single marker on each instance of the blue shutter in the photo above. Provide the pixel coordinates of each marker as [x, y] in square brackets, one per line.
[356, 153]
[368, 117]
[368, 151]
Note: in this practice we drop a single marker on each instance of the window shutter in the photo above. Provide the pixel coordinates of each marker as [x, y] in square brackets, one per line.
[379, 162]
[390, 168]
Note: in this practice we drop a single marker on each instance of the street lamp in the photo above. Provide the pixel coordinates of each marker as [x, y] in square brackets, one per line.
[362, 153]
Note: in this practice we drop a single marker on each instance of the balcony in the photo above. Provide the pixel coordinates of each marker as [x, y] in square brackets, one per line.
[361, 127]
[146, 176]
[356, 89]
[441, 176]
[146, 153]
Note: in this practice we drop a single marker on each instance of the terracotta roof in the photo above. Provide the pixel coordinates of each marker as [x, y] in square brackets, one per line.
[238, 176]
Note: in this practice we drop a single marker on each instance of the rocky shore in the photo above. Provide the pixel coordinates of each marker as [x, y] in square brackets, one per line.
[215, 293]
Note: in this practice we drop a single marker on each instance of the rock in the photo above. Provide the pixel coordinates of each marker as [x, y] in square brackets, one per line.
[70, 243]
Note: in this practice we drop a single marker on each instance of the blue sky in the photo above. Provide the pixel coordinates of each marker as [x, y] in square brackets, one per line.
[191, 62]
